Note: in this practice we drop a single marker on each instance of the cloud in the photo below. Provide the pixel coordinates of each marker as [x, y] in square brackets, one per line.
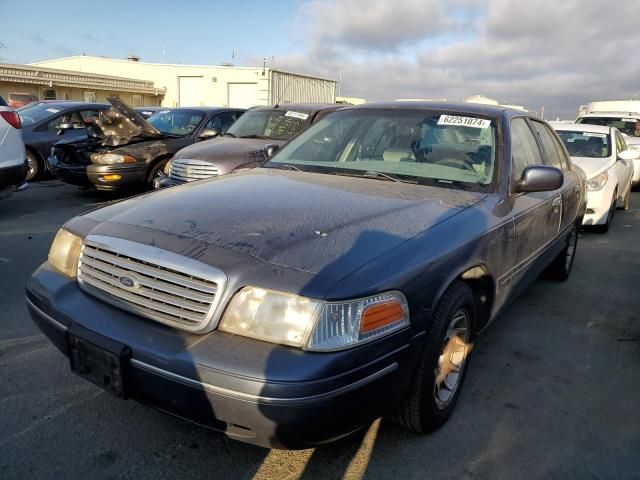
[55, 48]
[536, 53]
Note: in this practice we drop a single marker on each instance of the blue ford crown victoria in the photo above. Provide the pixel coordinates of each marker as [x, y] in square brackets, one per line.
[343, 280]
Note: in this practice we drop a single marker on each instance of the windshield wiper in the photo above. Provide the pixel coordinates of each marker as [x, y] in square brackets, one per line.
[227, 134]
[284, 166]
[377, 175]
[255, 136]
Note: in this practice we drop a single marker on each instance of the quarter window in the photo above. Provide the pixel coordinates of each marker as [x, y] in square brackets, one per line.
[524, 149]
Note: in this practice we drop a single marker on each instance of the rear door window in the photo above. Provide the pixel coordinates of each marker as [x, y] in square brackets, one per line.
[554, 154]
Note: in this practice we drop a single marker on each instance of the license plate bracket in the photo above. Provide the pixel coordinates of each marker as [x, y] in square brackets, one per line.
[99, 359]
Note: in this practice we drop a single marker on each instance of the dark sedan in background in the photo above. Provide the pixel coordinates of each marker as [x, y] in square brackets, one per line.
[40, 128]
[126, 152]
[260, 132]
[346, 279]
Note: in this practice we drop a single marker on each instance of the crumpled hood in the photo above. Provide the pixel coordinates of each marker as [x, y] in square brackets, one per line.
[120, 123]
[323, 224]
[222, 148]
[593, 166]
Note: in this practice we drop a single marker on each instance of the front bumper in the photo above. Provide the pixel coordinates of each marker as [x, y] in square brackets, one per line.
[67, 173]
[252, 391]
[132, 176]
[598, 204]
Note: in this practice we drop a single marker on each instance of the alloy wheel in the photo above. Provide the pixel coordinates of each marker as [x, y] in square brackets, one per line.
[452, 359]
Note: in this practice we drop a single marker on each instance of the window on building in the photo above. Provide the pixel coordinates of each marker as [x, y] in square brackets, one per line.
[49, 94]
[90, 97]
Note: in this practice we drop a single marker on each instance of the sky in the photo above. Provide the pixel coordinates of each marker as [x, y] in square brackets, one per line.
[536, 53]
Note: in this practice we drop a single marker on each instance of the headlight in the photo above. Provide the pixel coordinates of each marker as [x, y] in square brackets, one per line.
[111, 158]
[598, 182]
[313, 324]
[65, 252]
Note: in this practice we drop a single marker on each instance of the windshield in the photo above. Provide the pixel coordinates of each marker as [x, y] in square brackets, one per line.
[586, 144]
[417, 146]
[270, 124]
[176, 122]
[35, 112]
[624, 124]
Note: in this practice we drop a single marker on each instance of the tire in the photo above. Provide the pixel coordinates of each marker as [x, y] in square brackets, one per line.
[34, 166]
[426, 406]
[560, 268]
[605, 228]
[626, 200]
[153, 172]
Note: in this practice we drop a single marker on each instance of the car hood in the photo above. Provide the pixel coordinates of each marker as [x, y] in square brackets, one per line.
[593, 166]
[221, 148]
[120, 124]
[323, 224]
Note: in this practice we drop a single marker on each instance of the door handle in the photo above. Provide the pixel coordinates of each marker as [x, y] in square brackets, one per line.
[556, 204]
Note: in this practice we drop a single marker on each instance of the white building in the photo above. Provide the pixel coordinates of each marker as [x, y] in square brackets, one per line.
[204, 85]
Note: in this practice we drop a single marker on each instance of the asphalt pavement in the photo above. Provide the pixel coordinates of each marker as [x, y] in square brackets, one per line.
[553, 390]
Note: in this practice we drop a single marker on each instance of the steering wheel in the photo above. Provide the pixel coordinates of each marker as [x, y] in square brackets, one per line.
[456, 163]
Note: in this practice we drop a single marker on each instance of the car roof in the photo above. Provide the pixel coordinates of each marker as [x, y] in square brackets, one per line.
[612, 114]
[454, 107]
[301, 107]
[580, 127]
[68, 104]
[203, 109]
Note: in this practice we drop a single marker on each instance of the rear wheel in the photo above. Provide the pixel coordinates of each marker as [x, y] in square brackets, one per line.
[438, 377]
[33, 166]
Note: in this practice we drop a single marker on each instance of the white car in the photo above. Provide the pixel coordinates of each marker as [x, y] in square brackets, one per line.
[603, 155]
[628, 123]
[13, 158]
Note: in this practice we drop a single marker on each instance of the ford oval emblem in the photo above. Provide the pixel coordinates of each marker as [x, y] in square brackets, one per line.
[128, 281]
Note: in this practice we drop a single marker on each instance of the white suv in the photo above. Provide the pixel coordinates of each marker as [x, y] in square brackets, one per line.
[13, 158]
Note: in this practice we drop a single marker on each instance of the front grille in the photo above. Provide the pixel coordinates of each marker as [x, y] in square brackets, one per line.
[151, 282]
[187, 170]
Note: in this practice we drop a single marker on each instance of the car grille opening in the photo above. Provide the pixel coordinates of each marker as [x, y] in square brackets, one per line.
[187, 170]
[167, 295]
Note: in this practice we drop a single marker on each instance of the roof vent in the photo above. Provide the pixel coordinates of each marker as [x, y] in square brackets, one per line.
[133, 58]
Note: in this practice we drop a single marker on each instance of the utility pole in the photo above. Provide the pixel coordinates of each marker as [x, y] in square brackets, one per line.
[2, 45]
[164, 55]
[233, 56]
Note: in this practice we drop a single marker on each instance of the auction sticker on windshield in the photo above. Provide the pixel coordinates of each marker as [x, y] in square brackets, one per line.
[464, 121]
[301, 116]
[595, 135]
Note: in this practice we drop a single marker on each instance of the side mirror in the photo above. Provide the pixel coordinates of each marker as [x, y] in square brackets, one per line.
[270, 149]
[65, 126]
[628, 155]
[208, 133]
[540, 178]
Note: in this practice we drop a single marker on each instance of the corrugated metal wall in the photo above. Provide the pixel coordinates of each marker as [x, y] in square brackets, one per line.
[291, 88]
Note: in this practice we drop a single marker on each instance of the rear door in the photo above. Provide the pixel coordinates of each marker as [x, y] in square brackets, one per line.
[556, 156]
[536, 215]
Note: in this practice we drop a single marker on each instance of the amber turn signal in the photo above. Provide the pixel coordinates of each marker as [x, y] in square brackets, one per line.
[381, 314]
[111, 178]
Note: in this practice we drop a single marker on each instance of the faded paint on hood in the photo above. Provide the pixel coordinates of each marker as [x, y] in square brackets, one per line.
[120, 123]
[593, 166]
[324, 224]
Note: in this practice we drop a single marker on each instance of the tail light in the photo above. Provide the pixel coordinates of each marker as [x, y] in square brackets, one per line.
[12, 119]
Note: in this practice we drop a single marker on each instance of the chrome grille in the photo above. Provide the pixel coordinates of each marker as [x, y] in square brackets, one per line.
[151, 282]
[187, 170]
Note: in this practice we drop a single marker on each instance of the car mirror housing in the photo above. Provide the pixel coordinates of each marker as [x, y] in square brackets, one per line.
[270, 149]
[540, 178]
[628, 155]
[209, 133]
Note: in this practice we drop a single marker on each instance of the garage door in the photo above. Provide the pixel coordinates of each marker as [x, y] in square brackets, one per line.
[191, 91]
[243, 95]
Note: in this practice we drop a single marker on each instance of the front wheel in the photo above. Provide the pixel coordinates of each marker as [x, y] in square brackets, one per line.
[604, 228]
[154, 172]
[33, 166]
[438, 377]
[626, 200]
[561, 267]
